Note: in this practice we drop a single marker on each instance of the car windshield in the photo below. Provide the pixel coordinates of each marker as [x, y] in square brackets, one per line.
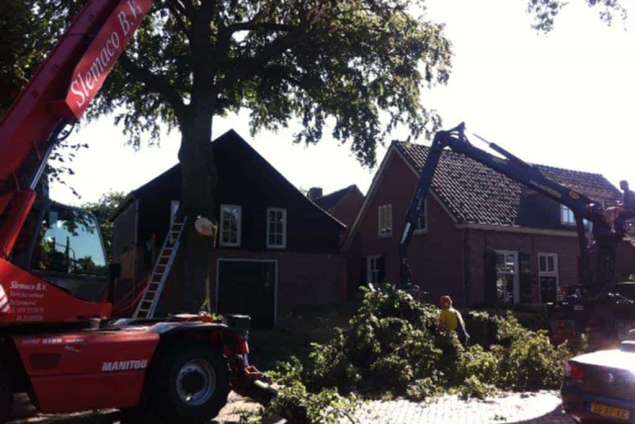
[70, 243]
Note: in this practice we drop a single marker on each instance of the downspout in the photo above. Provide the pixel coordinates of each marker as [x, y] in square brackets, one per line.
[466, 267]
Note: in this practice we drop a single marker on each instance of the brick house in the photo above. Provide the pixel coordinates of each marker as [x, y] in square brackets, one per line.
[482, 238]
[277, 251]
[343, 204]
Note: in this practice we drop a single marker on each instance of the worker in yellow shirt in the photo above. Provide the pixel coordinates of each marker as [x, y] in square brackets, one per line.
[450, 320]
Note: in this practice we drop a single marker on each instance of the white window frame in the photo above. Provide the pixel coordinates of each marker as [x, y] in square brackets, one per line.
[516, 290]
[564, 212]
[372, 271]
[424, 213]
[546, 273]
[174, 207]
[381, 212]
[238, 226]
[284, 229]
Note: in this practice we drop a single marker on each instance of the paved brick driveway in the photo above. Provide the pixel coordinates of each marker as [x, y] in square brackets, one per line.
[535, 408]
[529, 408]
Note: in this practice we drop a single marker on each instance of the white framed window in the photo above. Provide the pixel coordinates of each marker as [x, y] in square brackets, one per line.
[421, 224]
[276, 228]
[230, 225]
[174, 207]
[385, 221]
[375, 269]
[548, 277]
[567, 217]
[507, 278]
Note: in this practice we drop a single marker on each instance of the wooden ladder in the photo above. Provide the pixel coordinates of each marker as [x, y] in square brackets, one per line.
[150, 299]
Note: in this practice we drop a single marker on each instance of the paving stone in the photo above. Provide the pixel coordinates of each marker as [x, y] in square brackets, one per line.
[526, 408]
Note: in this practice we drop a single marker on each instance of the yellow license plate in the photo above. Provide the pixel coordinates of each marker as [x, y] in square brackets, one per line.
[610, 411]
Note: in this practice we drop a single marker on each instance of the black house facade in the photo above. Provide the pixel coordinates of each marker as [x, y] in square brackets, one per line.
[276, 250]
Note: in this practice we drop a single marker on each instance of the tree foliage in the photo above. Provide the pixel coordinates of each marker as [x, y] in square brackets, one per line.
[546, 11]
[103, 210]
[18, 50]
[392, 347]
[358, 63]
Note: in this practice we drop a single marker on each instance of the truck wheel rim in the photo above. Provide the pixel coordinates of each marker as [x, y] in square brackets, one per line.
[195, 382]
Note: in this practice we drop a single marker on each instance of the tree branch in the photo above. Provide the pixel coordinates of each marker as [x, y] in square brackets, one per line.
[252, 26]
[245, 68]
[155, 83]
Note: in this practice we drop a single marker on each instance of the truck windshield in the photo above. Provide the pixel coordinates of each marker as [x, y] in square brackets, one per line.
[70, 243]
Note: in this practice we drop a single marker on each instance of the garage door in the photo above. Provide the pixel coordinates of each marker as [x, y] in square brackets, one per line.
[248, 287]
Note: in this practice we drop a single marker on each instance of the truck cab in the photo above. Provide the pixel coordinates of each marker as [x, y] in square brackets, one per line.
[69, 252]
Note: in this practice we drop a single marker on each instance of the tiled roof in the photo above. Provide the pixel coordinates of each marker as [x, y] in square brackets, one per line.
[477, 194]
[329, 201]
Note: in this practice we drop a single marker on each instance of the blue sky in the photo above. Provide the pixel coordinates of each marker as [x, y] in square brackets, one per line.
[562, 99]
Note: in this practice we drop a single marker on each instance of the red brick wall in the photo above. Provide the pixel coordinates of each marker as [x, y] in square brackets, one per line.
[479, 241]
[448, 259]
[436, 257]
[303, 279]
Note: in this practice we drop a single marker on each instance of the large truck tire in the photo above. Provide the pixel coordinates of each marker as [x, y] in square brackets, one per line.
[6, 393]
[190, 384]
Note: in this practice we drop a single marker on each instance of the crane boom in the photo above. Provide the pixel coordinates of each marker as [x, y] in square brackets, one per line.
[58, 95]
[516, 169]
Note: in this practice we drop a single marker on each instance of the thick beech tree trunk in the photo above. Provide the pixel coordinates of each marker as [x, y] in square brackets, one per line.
[199, 177]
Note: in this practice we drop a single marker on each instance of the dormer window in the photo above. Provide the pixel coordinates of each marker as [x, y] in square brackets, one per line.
[567, 217]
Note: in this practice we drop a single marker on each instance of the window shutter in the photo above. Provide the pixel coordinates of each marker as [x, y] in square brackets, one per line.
[490, 278]
[381, 266]
[363, 277]
[526, 278]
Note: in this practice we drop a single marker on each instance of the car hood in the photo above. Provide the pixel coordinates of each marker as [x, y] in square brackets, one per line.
[613, 358]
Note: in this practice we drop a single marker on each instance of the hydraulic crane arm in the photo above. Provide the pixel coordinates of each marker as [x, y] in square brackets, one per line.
[57, 96]
[512, 167]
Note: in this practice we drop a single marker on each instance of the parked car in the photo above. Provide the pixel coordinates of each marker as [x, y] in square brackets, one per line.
[600, 386]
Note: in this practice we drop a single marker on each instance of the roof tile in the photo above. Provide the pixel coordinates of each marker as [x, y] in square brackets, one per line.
[477, 194]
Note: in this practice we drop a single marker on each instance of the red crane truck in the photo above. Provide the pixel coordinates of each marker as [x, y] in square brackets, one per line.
[57, 340]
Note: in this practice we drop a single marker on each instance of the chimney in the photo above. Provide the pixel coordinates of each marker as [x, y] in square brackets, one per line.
[314, 193]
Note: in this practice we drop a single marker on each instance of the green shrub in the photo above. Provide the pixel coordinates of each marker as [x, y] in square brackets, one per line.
[299, 406]
[331, 366]
[391, 348]
[472, 387]
[424, 388]
[530, 362]
[482, 327]
[287, 372]
[480, 363]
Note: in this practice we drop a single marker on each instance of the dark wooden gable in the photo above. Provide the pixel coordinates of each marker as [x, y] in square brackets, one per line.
[248, 180]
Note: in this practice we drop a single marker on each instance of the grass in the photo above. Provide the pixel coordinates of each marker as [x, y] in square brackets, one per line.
[294, 334]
